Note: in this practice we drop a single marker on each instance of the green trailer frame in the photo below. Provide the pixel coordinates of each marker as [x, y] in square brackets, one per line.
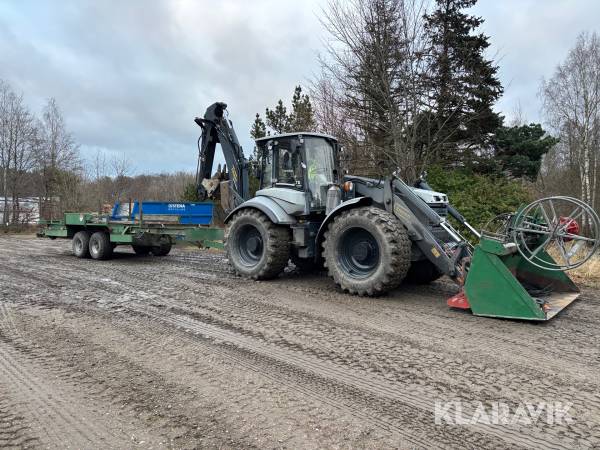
[143, 232]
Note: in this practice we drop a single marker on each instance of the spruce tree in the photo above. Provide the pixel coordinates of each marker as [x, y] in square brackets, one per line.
[464, 84]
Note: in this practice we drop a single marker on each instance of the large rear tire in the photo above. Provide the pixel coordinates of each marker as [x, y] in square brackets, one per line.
[422, 272]
[255, 246]
[100, 246]
[367, 251]
[81, 244]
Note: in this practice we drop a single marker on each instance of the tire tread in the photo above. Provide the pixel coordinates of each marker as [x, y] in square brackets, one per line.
[277, 247]
[397, 262]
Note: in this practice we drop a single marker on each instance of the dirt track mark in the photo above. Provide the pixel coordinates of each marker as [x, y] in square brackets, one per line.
[413, 357]
[387, 358]
[48, 403]
[178, 368]
[331, 373]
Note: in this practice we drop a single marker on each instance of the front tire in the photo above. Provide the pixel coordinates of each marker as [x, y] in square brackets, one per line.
[81, 243]
[100, 246]
[367, 251]
[255, 246]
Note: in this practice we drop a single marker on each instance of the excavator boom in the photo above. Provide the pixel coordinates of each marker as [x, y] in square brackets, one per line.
[217, 129]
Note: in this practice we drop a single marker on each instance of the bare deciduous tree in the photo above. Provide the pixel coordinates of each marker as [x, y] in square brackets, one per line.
[18, 143]
[371, 92]
[572, 105]
[121, 167]
[40, 158]
[58, 155]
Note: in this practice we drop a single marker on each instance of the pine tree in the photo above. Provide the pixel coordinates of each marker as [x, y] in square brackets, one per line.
[302, 117]
[259, 128]
[190, 193]
[520, 149]
[464, 84]
[278, 119]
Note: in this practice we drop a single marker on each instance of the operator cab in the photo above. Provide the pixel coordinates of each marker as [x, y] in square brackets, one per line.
[302, 162]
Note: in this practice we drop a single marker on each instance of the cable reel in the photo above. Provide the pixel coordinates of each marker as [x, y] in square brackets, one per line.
[565, 228]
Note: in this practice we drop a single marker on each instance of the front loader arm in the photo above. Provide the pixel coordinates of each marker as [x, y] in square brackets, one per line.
[432, 234]
[445, 248]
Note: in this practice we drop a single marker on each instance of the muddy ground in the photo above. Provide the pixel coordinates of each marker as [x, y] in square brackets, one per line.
[177, 352]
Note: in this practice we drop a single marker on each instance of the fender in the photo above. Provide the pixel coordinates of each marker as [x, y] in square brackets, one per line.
[267, 206]
[348, 204]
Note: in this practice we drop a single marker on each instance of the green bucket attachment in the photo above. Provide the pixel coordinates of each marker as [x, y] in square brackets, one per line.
[502, 283]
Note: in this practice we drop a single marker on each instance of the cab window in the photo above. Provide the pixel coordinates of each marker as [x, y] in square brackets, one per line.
[289, 165]
[266, 165]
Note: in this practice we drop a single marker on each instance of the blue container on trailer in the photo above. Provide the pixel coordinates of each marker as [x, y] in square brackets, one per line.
[181, 212]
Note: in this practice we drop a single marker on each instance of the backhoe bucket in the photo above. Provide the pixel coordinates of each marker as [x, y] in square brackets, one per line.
[501, 283]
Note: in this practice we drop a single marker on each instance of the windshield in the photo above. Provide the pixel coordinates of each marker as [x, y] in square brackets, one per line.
[320, 165]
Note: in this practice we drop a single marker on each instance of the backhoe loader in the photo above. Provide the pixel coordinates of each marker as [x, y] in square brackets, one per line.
[373, 234]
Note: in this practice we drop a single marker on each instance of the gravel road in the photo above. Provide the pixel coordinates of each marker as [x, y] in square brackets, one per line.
[146, 352]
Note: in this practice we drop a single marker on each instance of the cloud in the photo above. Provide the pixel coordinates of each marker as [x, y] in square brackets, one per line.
[131, 76]
[530, 38]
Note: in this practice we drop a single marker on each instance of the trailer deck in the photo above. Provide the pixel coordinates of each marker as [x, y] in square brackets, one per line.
[163, 224]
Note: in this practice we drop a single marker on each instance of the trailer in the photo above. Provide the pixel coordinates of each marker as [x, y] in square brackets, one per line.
[148, 227]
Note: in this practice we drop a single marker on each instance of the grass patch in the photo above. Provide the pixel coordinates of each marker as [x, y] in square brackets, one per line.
[589, 273]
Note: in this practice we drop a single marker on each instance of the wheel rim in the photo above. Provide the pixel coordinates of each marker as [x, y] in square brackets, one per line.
[78, 245]
[95, 247]
[250, 245]
[358, 253]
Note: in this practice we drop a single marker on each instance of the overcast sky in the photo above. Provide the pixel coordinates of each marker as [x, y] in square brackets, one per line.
[130, 76]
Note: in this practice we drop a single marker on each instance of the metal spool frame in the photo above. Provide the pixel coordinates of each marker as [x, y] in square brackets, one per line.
[539, 226]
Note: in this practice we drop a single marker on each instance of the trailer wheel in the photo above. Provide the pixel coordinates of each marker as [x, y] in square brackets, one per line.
[256, 247]
[161, 250]
[367, 251]
[100, 246]
[81, 244]
[422, 272]
[141, 249]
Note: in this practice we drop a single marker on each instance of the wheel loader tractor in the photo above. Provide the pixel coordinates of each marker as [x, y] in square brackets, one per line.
[371, 235]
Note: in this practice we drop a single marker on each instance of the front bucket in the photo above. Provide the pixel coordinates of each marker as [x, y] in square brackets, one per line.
[501, 283]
